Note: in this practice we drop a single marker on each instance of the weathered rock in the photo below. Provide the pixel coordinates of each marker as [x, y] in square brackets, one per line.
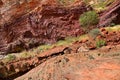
[111, 37]
[12, 9]
[75, 67]
[47, 23]
[111, 15]
[20, 66]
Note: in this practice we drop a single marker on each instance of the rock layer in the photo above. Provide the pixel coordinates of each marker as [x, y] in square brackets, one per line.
[77, 67]
[111, 15]
[47, 23]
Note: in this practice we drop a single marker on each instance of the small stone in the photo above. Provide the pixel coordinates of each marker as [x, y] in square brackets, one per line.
[84, 40]
[17, 70]
[82, 49]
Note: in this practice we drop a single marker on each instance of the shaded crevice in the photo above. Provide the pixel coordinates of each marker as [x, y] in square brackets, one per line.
[1, 3]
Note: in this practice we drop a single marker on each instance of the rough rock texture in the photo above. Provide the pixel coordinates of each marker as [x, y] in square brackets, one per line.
[111, 37]
[15, 68]
[12, 9]
[77, 67]
[111, 15]
[84, 51]
[47, 23]
[66, 62]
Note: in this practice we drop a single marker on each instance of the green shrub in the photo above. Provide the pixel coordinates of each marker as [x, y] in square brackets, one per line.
[94, 33]
[88, 18]
[9, 57]
[100, 43]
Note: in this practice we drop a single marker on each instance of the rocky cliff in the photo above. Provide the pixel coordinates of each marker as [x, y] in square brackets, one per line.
[11, 9]
[26, 24]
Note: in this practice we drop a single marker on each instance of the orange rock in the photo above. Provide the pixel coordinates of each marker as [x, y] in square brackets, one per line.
[84, 40]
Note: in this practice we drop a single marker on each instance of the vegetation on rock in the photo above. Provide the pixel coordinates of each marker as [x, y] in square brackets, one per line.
[48, 24]
[98, 5]
[9, 58]
[88, 18]
[94, 33]
[100, 43]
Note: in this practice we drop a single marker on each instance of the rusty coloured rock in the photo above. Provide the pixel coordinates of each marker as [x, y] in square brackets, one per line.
[111, 15]
[47, 23]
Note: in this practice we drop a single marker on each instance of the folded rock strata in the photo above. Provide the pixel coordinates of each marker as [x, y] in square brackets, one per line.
[47, 23]
[111, 15]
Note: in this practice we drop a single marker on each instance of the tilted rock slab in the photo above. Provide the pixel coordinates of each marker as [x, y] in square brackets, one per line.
[111, 15]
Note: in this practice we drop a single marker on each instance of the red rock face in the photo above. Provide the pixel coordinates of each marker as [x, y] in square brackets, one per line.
[1, 3]
[111, 15]
[45, 24]
[12, 9]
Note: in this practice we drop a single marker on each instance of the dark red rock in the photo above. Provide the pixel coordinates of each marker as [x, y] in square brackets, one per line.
[1, 3]
[47, 23]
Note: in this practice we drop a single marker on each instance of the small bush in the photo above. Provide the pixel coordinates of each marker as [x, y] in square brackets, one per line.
[9, 57]
[88, 18]
[94, 33]
[100, 43]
